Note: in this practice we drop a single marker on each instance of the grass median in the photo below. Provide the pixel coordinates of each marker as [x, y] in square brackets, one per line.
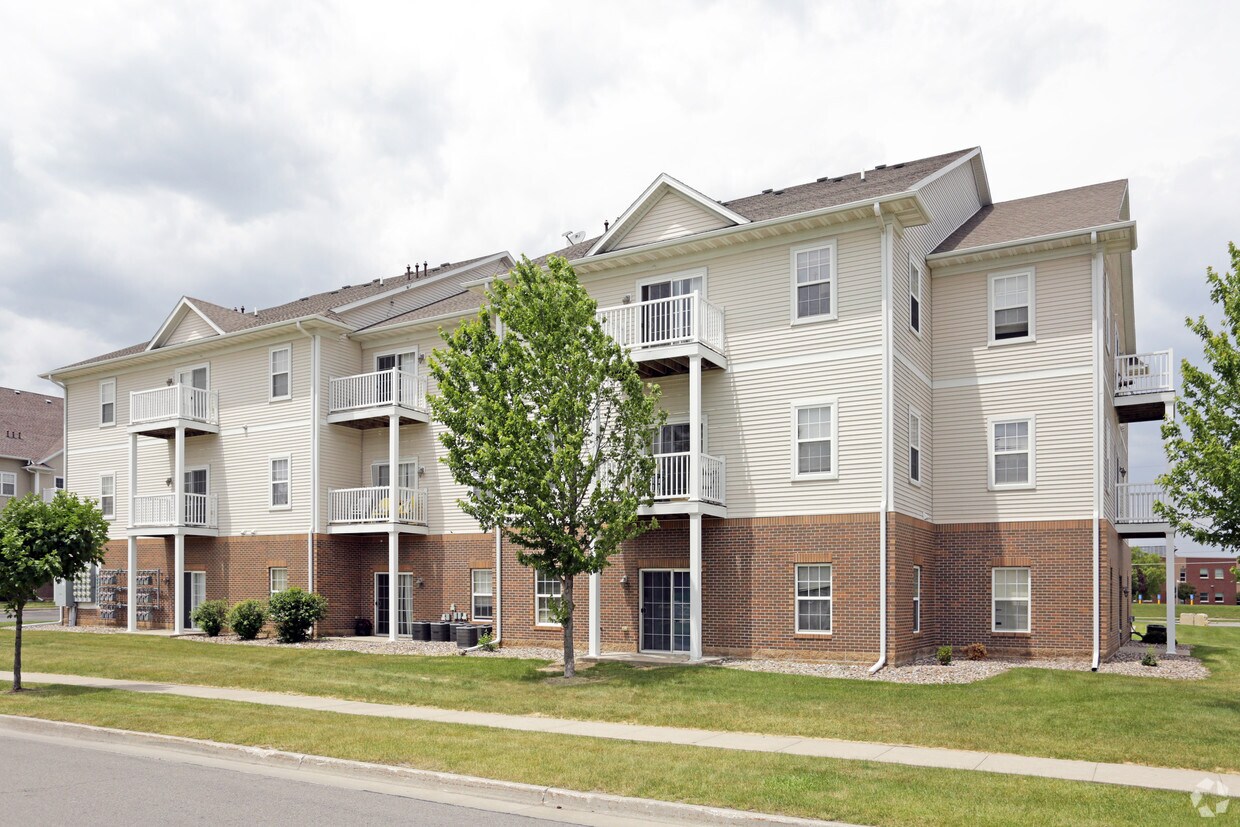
[854, 791]
[1038, 712]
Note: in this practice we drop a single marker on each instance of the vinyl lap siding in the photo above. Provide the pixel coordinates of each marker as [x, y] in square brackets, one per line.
[192, 327]
[672, 216]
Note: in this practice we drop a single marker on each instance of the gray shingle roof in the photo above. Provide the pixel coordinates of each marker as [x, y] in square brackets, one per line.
[468, 300]
[1039, 215]
[37, 417]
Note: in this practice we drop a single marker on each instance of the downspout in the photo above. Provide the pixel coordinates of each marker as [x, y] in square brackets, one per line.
[884, 500]
[314, 452]
[1099, 351]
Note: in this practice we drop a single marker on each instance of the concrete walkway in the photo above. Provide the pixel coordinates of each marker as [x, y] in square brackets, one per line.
[1134, 775]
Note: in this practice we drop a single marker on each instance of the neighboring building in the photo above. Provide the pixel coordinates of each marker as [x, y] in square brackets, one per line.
[32, 432]
[1211, 577]
[898, 419]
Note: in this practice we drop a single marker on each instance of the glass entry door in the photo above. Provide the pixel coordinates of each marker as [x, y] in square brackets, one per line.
[404, 605]
[195, 593]
[668, 321]
[665, 610]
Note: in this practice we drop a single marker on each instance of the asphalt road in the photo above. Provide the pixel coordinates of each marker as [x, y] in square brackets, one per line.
[36, 615]
[58, 782]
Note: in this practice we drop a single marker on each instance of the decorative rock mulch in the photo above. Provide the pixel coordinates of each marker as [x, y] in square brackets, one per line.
[386, 647]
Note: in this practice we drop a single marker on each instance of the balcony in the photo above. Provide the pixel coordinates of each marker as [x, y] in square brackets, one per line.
[1144, 384]
[368, 510]
[663, 334]
[1135, 516]
[671, 489]
[157, 514]
[159, 411]
[368, 400]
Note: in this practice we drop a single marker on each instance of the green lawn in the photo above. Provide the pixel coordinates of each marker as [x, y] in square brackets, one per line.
[1218, 611]
[1026, 711]
[855, 791]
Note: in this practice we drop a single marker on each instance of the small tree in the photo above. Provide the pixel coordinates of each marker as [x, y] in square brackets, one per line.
[1203, 486]
[548, 424]
[45, 541]
[1184, 592]
[1149, 573]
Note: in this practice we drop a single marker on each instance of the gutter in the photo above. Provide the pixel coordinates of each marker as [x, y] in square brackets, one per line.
[314, 450]
[1092, 232]
[885, 500]
[1099, 349]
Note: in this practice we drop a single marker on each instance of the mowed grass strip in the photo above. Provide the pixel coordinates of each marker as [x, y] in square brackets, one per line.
[1040, 712]
[855, 791]
[1157, 612]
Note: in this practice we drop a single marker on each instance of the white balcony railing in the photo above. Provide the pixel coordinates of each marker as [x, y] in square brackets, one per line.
[661, 322]
[201, 511]
[672, 474]
[174, 402]
[372, 505]
[379, 389]
[1136, 502]
[1137, 373]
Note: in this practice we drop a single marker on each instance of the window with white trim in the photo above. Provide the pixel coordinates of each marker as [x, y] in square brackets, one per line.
[914, 446]
[546, 589]
[1218, 574]
[58, 482]
[1203, 597]
[107, 402]
[8, 484]
[916, 599]
[813, 282]
[107, 496]
[914, 297]
[1012, 453]
[1183, 576]
[279, 468]
[813, 440]
[281, 366]
[1011, 307]
[1205, 574]
[1010, 596]
[814, 598]
[1218, 597]
[278, 576]
[482, 593]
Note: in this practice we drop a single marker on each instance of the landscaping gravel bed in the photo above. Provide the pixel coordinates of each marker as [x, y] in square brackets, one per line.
[387, 647]
[1127, 661]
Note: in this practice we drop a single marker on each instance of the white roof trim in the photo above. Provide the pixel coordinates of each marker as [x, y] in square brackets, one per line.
[657, 189]
[1036, 239]
[980, 180]
[174, 318]
[406, 285]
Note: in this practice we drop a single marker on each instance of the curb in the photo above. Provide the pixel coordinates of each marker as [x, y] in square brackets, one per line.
[552, 798]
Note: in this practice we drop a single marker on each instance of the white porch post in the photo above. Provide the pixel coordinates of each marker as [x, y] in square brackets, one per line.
[596, 614]
[178, 582]
[695, 428]
[1172, 589]
[393, 512]
[133, 478]
[131, 586]
[178, 479]
[178, 487]
[695, 587]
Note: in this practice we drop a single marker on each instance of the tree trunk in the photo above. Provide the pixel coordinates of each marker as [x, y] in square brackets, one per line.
[570, 661]
[17, 649]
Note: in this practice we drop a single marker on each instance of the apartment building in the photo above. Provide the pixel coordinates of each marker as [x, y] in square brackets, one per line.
[897, 419]
[32, 432]
[1211, 578]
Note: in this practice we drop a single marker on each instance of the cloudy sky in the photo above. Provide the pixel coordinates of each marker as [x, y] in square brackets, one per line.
[255, 153]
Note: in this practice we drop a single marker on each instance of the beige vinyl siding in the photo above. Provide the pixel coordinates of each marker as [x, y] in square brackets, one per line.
[672, 216]
[339, 446]
[911, 391]
[192, 326]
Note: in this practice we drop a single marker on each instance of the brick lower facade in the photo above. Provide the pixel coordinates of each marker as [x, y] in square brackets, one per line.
[748, 578]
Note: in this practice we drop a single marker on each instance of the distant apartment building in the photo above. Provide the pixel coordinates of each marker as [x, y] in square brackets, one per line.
[1212, 579]
[898, 417]
[32, 432]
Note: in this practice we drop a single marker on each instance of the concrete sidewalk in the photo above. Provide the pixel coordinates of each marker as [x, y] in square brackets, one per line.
[1134, 775]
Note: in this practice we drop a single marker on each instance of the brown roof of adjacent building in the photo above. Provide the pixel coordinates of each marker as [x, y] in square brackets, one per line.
[1040, 215]
[31, 424]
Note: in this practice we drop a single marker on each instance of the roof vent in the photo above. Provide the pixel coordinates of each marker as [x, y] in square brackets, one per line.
[880, 166]
[779, 192]
[375, 281]
[445, 264]
[823, 178]
[767, 192]
[837, 180]
[898, 166]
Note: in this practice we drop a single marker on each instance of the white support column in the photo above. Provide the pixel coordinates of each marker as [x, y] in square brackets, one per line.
[393, 580]
[393, 513]
[695, 428]
[1172, 588]
[596, 614]
[178, 583]
[695, 586]
[132, 482]
[178, 479]
[393, 466]
[131, 586]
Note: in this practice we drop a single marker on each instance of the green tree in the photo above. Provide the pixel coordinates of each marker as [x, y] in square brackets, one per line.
[548, 424]
[1184, 592]
[1149, 573]
[45, 541]
[1203, 485]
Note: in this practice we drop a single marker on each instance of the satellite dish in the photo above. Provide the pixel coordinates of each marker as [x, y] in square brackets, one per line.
[575, 237]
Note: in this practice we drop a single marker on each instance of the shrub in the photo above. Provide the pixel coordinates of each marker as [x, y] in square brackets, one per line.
[1149, 659]
[487, 643]
[247, 618]
[294, 611]
[210, 616]
[976, 651]
[943, 655]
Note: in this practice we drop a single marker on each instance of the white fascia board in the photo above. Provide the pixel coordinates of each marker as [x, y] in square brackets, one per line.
[661, 185]
[1038, 239]
[178, 313]
[52, 455]
[404, 286]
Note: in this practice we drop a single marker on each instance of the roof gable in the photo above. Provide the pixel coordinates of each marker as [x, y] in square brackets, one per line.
[667, 209]
[185, 323]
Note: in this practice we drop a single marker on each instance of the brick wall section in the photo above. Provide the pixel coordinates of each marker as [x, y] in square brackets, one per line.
[911, 542]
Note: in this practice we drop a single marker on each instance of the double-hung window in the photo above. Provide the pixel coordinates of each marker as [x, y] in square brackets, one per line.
[1205, 574]
[481, 587]
[546, 589]
[813, 282]
[1218, 597]
[1011, 307]
[1010, 593]
[914, 446]
[8, 484]
[814, 598]
[279, 579]
[107, 496]
[1183, 576]
[107, 402]
[281, 361]
[813, 440]
[914, 297]
[278, 471]
[916, 599]
[1218, 574]
[1012, 453]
